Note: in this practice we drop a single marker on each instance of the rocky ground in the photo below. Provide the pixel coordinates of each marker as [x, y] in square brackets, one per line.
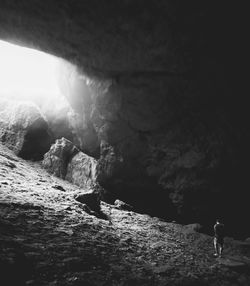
[46, 238]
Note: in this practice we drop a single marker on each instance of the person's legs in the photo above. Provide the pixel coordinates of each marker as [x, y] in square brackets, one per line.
[216, 247]
[220, 248]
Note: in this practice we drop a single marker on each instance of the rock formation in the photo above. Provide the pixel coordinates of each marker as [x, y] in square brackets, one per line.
[56, 160]
[23, 129]
[82, 171]
[165, 96]
[66, 161]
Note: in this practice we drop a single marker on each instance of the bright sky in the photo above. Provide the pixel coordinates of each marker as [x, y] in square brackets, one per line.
[26, 70]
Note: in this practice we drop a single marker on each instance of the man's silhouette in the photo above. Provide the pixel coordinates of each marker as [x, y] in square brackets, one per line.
[218, 238]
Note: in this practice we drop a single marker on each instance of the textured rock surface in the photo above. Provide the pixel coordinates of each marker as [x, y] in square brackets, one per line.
[174, 111]
[104, 32]
[23, 129]
[170, 147]
[48, 238]
[109, 163]
[82, 171]
[56, 160]
[66, 161]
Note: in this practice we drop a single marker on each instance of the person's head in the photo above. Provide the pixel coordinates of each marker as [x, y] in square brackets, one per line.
[218, 220]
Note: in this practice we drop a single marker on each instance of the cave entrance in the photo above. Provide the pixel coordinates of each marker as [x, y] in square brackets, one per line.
[26, 73]
[57, 88]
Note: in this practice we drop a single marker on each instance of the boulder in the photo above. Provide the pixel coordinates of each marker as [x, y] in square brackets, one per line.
[23, 129]
[82, 171]
[58, 187]
[90, 198]
[66, 161]
[122, 205]
[57, 158]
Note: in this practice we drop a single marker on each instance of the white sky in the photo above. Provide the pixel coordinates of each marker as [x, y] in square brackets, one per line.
[26, 70]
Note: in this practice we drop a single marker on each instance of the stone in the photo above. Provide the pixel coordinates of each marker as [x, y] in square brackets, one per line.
[82, 171]
[193, 227]
[90, 198]
[66, 161]
[56, 160]
[23, 129]
[122, 205]
[58, 187]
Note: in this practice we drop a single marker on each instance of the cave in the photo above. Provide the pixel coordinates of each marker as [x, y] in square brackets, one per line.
[167, 109]
[153, 98]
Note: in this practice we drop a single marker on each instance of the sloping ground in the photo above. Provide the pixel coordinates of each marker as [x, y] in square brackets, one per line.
[46, 238]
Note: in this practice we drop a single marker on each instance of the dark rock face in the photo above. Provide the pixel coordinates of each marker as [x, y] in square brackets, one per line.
[109, 163]
[166, 97]
[23, 129]
[56, 160]
[91, 199]
[166, 151]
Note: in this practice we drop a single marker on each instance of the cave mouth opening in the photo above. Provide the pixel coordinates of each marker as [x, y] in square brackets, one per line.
[32, 75]
[57, 88]
[27, 73]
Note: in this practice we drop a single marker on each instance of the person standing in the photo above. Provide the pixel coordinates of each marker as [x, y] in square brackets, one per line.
[218, 238]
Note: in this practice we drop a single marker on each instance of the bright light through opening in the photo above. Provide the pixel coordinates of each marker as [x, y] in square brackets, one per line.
[27, 71]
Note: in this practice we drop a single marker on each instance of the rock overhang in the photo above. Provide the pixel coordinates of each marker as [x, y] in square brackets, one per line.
[115, 37]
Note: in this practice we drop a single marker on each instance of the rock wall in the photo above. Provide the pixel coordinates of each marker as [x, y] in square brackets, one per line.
[168, 146]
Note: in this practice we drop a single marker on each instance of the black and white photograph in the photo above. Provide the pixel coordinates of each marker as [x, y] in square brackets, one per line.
[124, 143]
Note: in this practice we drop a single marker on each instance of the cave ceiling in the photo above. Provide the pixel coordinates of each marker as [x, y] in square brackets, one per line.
[113, 38]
